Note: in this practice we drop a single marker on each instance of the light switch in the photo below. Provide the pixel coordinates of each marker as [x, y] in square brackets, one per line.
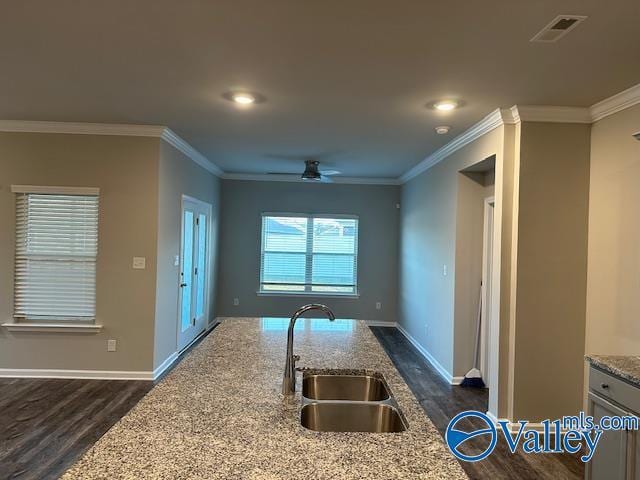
[139, 263]
[378, 305]
[236, 302]
[444, 270]
[176, 261]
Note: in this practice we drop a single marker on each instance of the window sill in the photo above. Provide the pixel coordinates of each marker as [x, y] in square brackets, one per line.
[51, 327]
[261, 293]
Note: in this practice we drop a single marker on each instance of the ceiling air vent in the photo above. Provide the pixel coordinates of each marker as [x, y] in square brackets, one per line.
[558, 28]
[637, 135]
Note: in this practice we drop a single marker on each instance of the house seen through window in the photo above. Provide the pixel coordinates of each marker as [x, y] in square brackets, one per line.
[309, 254]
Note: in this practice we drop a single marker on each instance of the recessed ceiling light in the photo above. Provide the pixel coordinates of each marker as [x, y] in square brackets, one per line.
[445, 105]
[243, 98]
[442, 130]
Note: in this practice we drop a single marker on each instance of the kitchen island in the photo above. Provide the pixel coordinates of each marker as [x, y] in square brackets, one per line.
[220, 414]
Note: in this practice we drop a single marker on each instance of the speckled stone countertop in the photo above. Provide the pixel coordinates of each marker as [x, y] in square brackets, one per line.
[220, 415]
[626, 367]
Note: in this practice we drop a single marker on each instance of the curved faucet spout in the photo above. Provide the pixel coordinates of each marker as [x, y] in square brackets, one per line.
[289, 380]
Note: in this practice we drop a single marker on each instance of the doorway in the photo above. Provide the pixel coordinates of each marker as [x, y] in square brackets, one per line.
[487, 273]
[193, 296]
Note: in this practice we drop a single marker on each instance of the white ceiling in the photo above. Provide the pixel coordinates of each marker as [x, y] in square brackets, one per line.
[346, 80]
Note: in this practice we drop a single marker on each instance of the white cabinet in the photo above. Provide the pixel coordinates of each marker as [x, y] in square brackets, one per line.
[617, 456]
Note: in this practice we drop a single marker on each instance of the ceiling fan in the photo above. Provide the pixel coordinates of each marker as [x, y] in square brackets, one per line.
[312, 172]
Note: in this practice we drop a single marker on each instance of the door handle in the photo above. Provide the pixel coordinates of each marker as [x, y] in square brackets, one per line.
[182, 285]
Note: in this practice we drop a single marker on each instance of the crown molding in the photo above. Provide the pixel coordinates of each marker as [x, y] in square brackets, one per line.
[78, 128]
[117, 129]
[493, 120]
[176, 141]
[261, 177]
[550, 114]
[616, 103]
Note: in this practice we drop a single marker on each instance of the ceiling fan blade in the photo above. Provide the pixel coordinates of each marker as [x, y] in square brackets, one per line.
[324, 179]
[328, 173]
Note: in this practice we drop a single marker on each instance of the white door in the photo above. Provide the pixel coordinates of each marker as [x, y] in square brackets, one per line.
[193, 301]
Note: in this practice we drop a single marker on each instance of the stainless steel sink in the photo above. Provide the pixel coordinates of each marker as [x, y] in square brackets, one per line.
[363, 388]
[352, 417]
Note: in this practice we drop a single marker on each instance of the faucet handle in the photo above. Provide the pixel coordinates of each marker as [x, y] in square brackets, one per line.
[295, 358]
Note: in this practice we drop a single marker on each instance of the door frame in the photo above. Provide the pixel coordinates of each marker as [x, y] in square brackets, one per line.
[208, 257]
[488, 264]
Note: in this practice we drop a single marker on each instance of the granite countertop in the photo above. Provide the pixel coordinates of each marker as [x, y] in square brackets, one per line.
[626, 367]
[220, 415]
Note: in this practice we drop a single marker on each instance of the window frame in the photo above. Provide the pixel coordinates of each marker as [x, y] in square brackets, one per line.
[307, 292]
[53, 322]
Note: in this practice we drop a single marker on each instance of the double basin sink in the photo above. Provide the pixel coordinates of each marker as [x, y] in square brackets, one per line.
[348, 402]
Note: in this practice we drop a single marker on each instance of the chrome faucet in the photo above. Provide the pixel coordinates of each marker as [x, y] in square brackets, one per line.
[289, 380]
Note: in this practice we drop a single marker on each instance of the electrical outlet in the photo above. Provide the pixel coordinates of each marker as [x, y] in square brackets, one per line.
[111, 345]
[236, 302]
[176, 261]
[378, 305]
[139, 263]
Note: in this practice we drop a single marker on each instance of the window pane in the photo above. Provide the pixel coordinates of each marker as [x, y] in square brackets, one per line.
[334, 235]
[56, 248]
[202, 255]
[309, 254]
[284, 234]
[187, 268]
[333, 270]
[283, 268]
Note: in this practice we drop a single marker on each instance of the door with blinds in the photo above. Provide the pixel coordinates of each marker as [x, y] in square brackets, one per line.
[194, 270]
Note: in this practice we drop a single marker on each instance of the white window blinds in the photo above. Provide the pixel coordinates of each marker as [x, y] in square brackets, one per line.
[56, 248]
[309, 254]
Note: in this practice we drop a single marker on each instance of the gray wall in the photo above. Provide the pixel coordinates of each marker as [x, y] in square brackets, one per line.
[178, 176]
[427, 298]
[126, 171]
[245, 201]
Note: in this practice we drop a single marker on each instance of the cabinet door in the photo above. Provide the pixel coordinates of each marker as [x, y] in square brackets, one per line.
[609, 460]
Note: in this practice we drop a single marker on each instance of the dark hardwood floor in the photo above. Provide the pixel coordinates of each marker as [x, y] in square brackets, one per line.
[441, 402]
[46, 424]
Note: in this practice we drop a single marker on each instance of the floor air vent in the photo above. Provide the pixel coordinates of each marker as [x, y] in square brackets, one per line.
[558, 28]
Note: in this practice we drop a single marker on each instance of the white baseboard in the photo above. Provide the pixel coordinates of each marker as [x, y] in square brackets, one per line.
[380, 323]
[164, 365]
[85, 374]
[514, 427]
[430, 358]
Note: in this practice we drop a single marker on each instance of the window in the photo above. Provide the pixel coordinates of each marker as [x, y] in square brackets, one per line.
[56, 248]
[309, 254]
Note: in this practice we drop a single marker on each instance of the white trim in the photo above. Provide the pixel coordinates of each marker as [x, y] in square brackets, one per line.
[430, 358]
[81, 128]
[380, 323]
[514, 427]
[490, 122]
[52, 327]
[55, 190]
[528, 113]
[85, 374]
[118, 129]
[265, 177]
[550, 114]
[166, 364]
[176, 141]
[616, 103]
[284, 293]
